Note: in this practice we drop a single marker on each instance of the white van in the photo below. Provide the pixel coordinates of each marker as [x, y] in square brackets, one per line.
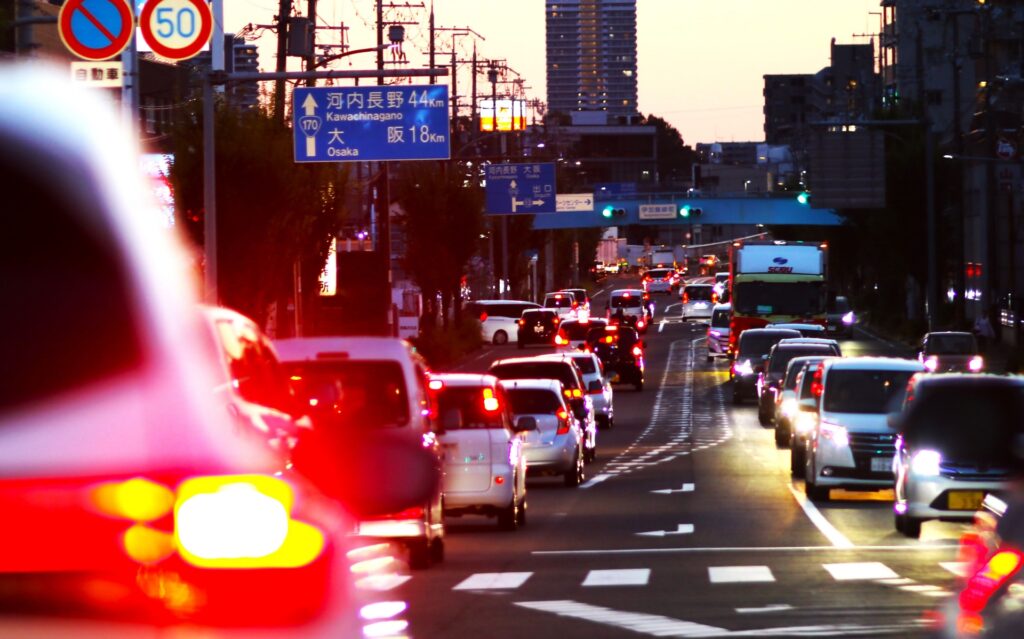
[852, 445]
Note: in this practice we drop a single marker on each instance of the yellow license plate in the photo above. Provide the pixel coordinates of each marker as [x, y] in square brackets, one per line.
[965, 499]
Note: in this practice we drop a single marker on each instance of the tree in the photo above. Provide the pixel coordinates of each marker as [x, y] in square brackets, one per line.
[672, 155]
[443, 218]
[271, 212]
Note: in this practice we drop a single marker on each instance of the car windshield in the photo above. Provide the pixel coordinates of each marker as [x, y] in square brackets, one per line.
[469, 402]
[559, 301]
[579, 295]
[365, 395]
[778, 298]
[967, 423]
[526, 401]
[960, 344]
[586, 364]
[780, 359]
[699, 293]
[575, 330]
[792, 373]
[756, 344]
[621, 301]
[839, 305]
[864, 391]
[561, 371]
[659, 273]
[720, 318]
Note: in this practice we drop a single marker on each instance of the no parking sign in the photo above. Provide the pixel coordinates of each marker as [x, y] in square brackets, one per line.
[96, 29]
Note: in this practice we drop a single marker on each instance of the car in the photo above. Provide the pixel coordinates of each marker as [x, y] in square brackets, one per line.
[133, 504]
[806, 330]
[786, 404]
[573, 333]
[721, 284]
[751, 355]
[376, 386]
[612, 268]
[628, 307]
[718, 331]
[561, 368]
[621, 352]
[840, 317]
[851, 445]
[951, 352]
[805, 417]
[660, 280]
[597, 386]
[770, 381]
[555, 444]
[565, 304]
[537, 326]
[581, 297]
[484, 461]
[499, 319]
[956, 444]
[698, 302]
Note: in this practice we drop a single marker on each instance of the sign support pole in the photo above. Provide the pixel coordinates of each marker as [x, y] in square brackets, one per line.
[129, 88]
[211, 294]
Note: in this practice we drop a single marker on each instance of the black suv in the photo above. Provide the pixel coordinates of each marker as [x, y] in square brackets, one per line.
[621, 353]
[751, 355]
[775, 371]
[537, 326]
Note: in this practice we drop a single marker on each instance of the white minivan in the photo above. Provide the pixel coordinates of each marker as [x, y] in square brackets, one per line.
[499, 319]
[852, 445]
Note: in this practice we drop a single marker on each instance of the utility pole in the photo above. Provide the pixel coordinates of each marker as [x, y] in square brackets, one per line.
[432, 78]
[311, 57]
[284, 10]
[384, 201]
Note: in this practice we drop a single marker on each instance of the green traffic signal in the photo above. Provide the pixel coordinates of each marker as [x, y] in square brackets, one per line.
[607, 212]
[804, 197]
[685, 211]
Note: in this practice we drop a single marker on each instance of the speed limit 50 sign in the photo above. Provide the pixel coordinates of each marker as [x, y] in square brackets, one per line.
[176, 29]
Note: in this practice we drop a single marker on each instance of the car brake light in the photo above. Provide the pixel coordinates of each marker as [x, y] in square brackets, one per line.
[714, 297]
[560, 341]
[490, 401]
[242, 521]
[640, 323]
[637, 351]
[577, 393]
[483, 317]
[816, 386]
[563, 421]
[521, 322]
[686, 298]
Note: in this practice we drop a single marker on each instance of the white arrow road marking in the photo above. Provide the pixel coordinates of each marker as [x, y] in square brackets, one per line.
[661, 626]
[596, 479]
[628, 577]
[309, 104]
[682, 529]
[493, 581]
[687, 488]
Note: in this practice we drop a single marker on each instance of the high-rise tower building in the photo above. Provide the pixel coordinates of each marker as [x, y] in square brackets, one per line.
[591, 58]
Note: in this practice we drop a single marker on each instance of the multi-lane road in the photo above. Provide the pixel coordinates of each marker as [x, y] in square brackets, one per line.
[689, 525]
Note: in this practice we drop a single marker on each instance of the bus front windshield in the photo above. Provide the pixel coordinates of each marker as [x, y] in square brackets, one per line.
[779, 298]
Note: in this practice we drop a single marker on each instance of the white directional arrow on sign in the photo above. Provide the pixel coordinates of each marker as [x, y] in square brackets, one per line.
[687, 488]
[682, 529]
[309, 104]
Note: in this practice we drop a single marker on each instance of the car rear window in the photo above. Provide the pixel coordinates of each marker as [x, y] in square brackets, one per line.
[538, 317]
[527, 401]
[699, 293]
[780, 359]
[951, 345]
[561, 371]
[864, 391]
[720, 318]
[578, 330]
[469, 401]
[756, 344]
[621, 301]
[586, 364]
[562, 301]
[659, 273]
[792, 372]
[580, 295]
[68, 318]
[839, 305]
[967, 423]
[364, 395]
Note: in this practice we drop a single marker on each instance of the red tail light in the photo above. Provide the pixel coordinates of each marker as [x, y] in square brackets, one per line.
[483, 317]
[817, 388]
[521, 322]
[560, 340]
[999, 569]
[686, 298]
[563, 421]
[490, 401]
[435, 384]
[714, 298]
[637, 351]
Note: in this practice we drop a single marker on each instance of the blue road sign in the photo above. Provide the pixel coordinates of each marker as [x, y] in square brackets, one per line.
[521, 188]
[357, 124]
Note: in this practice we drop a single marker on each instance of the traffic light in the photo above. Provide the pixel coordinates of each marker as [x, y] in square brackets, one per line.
[687, 211]
[696, 211]
[610, 211]
[804, 197]
[684, 211]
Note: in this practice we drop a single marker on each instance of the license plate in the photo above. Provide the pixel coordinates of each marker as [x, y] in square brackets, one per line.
[881, 464]
[538, 329]
[965, 499]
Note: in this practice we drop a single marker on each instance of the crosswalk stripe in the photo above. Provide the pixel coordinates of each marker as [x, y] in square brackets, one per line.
[740, 574]
[628, 577]
[382, 583]
[958, 568]
[493, 581]
[860, 570]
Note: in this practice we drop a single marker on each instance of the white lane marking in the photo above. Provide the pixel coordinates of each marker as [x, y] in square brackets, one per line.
[601, 292]
[596, 479]
[922, 588]
[382, 583]
[671, 305]
[661, 326]
[627, 577]
[958, 568]
[860, 570]
[493, 581]
[660, 626]
[726, 549]
[681, 529]
[768, 608]
[831, 532]
[651, 625]
[740, 574]
[687, 488]
[899, 581]
[937, 593]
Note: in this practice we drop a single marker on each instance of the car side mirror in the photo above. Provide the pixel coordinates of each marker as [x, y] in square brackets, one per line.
[451, 419]
[595, 386]
[525, 424]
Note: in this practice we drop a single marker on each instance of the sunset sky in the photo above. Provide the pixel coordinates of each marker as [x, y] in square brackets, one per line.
[700, 61]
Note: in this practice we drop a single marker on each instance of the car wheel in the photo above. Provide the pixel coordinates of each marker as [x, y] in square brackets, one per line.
[796, 461]
[437, 551]
[521, 514]
[589, 455]
[574, 476]
[781, 436]
[909, 526]
[500, 337]
[508, 517]
[763, 418]
[420, 554]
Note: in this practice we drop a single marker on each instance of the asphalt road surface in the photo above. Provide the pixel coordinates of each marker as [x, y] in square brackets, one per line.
[688, 525]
